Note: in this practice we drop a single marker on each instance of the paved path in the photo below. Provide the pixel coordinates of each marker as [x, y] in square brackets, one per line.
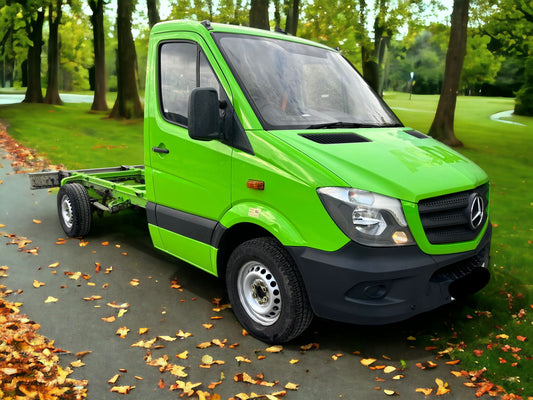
[66, 97]
[76, 324]
[504, 114]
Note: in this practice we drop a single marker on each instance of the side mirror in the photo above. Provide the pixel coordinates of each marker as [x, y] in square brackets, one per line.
[204, 116]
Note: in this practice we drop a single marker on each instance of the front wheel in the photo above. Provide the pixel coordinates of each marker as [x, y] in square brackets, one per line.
[74, 209]
[267, 292]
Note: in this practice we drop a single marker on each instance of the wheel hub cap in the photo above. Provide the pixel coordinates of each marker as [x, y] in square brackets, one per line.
[259, 293]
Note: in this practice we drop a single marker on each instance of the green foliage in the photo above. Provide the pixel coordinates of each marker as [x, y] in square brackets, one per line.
[524, 97]
[76, 52]
[480, 65]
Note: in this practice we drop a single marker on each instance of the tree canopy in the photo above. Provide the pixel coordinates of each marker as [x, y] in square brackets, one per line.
[73, 44]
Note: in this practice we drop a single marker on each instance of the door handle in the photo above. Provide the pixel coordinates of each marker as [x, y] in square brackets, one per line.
[160, 150]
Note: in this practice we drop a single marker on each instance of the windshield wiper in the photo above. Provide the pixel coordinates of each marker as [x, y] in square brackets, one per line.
[341, 124]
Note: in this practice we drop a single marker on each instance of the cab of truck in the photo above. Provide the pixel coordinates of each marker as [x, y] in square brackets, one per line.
[271, 163]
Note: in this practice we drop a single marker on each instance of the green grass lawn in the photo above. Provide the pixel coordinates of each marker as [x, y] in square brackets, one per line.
[72, 136]
[505, 152]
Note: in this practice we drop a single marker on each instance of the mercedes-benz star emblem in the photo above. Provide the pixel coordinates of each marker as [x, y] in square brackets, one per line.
[477, 211]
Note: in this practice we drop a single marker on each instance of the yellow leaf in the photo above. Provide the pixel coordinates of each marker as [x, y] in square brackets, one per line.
[142, 331]
[51, 299]
[36, 221]
[207, 359]
[135, 282]
[77, 363]
[183, 355]
[122, 389]
[294, 361]
[37, 284]
[390, 392]
[207, 326]
[389, 369]
[426, 392]
[242, 359]
[183, 335]
[275, 349]
[335, 357]
[167, 338]
[368, 361]
[442, 387]
[204, 345]
[292, 386]
[114, 379]
[109, 319]
[53, 265]
[123, 331]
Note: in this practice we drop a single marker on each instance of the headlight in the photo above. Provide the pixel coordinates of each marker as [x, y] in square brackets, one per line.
[367, 218]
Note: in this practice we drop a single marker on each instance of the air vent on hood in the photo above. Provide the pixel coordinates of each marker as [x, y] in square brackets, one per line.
[334, 138]
[417, 134]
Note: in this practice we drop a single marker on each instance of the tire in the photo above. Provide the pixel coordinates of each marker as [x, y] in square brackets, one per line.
[74, 209]
[266, 291]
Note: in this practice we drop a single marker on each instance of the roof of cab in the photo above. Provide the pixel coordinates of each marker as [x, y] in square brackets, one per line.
[204, 27]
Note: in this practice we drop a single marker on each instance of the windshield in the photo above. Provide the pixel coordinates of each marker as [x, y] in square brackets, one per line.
[292, 85]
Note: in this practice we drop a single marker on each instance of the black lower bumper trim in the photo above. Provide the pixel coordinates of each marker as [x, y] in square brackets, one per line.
[374, 286]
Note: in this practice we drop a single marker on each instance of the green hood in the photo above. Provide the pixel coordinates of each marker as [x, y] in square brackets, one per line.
[389, 161]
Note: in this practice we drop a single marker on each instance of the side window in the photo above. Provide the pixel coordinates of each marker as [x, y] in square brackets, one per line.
[182, 67]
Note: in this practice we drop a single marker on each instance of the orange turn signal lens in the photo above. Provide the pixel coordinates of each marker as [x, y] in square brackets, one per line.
[256, 185]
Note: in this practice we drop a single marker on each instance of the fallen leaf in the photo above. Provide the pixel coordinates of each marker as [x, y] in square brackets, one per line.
[389, 369]
[335, 357]
[204, 345]
[309, 346]
[121, 312]
[54, 265]
[77, 363]
[135, 282]
[142, 331]
[368, 361]
[114, 379]
[397, 377]
[442, 387]
[105, 243]
[454, 362]
[51, 299]
[122, 389]
[208, 326]
[183, 335]
[274, 349]
[521, 338]
[426, 392]
[161, 384]
[242, 359]
[294, 361]
[183, 355]
[123, 331]
[36, 221]
[390, 392]
[219, 343]
[37, 284]
[108, 319]
[83, 353]
[292, 386]
[213, 385]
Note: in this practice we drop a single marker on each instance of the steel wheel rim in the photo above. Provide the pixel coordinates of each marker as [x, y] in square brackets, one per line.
[66, 211]
[259, 293]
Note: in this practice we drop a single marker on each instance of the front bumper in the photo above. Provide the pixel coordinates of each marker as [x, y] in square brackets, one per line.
[375, 286]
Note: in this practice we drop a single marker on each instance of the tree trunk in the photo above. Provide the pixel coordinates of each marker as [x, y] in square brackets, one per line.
[293, 12]
[52, 91]
[100, 75]
[259, 14]
[442, 127]
[128, 105]
[370, 68]
[153, 13]
[34, 29]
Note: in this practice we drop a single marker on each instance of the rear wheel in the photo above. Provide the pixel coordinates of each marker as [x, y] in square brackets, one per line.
[267, 292]
[74, 209]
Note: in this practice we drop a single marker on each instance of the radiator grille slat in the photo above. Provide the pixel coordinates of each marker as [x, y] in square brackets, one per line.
[447, 219]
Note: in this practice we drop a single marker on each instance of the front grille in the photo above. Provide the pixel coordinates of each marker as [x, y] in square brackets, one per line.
[449, 218]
